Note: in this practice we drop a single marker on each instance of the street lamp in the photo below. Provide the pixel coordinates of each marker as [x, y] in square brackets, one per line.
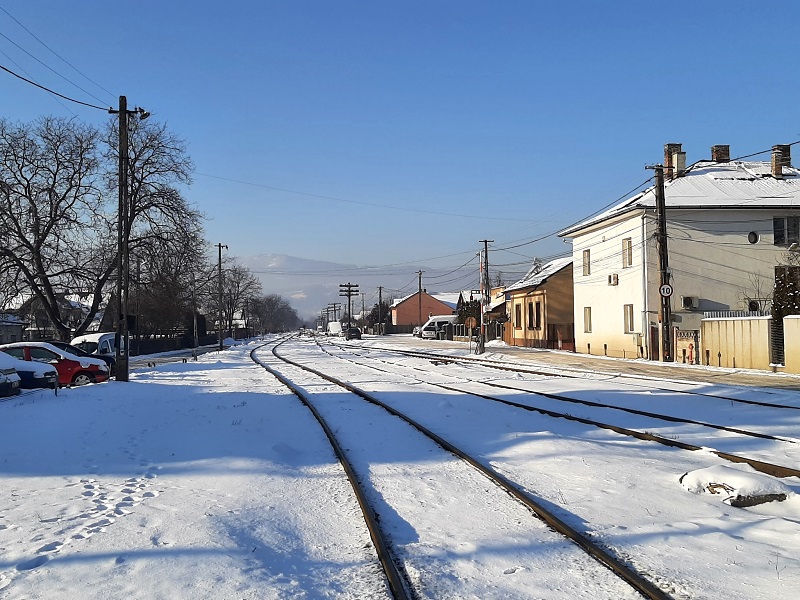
[121, 340]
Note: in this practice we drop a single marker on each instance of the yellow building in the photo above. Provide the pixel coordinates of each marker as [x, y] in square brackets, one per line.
[540, 307]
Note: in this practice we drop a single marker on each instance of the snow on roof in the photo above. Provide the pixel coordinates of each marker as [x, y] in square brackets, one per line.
[397, 301]
[9, 319]
[538, 274]
[706, 184]
[84, 360]
[449, 298]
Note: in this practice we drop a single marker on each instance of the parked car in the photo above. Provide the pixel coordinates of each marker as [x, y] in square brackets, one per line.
[9, 379]
[31, 374]
[109, 359]
[72, 370]
[334, 328]
[97, 344]
[353, 333]
[432, 327]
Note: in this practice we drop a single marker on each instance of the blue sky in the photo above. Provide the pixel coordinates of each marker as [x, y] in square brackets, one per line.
[394, 133]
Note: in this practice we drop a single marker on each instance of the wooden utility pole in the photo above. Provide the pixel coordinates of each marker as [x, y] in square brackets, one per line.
[348, 289]
[219, 276]
[663, 266]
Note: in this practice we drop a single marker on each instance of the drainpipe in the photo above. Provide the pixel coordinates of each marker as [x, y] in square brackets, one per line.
[645, 297]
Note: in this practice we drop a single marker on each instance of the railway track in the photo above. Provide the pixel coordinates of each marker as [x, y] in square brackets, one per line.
[766, 467]
[564, 372]
[301, 378]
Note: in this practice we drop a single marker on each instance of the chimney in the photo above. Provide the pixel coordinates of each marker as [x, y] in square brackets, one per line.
[781, 157]
[721, 153]
[679, 163]
[669, 151]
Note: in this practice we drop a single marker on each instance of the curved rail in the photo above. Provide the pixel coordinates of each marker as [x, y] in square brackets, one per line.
[605, 557]
[394, 578]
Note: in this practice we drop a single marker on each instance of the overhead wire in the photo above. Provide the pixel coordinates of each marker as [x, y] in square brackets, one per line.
[65, 61]
[46, 89]
[360, 202]
[49, 68]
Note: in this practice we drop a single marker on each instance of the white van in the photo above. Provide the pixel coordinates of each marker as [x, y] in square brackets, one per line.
[334, 328]
[96, 343]
[436, 324]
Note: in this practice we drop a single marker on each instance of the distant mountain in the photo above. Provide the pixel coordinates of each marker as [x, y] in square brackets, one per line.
[311, 285]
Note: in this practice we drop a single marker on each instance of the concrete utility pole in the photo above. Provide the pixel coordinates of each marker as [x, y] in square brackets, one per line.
[363, 307]
[219, 276]
[121, 350]
[124, 222]
[419, 296]
[663, 265]
[486, 292]
[380, 301]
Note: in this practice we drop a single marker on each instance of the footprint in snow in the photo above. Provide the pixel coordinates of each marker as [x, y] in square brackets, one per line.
[33, 563]
[513, 570]
[51, 547]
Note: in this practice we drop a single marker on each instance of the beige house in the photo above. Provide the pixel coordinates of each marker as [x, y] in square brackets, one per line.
[729, 223]
[540, 307]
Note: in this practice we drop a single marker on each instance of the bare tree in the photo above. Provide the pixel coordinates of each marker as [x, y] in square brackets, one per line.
[56, 237]
[273, 314]
[164, 283]
[239, 288]
[59, 222]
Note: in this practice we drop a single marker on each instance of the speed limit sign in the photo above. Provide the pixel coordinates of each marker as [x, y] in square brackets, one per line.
[665, 290]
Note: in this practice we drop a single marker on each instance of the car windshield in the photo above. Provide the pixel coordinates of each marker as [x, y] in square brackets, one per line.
[89, 347]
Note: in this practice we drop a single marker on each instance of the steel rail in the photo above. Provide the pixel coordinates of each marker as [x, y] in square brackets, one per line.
[779, 471]
[605, 557]
[560, 373]
[395, 580]
[633, 411]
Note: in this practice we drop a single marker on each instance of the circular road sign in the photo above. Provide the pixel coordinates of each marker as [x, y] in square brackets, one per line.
[665, 290]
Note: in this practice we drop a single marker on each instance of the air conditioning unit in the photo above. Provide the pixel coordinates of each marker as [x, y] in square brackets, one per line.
[613, 279]
[688, 302]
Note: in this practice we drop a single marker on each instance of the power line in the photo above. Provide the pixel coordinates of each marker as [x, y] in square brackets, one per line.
[26, 80]
[49, 68]
[359, 202]
[60, 103]
[33, 35]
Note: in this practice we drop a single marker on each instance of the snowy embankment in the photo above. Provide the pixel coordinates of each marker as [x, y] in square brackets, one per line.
[198, 480]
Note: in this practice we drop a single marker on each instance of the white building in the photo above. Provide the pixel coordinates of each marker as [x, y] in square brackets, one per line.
[729, 223]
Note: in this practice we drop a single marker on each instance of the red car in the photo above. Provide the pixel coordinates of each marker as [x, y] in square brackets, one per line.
[72, 370]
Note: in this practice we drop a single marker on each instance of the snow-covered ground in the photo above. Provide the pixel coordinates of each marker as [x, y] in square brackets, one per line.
[210, 480]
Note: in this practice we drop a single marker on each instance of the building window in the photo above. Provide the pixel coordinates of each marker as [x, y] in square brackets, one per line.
[535, 315]
[518, 316]
[786, 230]
[628, 309]
[587, 270]
[587, 319]
[627, 253]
